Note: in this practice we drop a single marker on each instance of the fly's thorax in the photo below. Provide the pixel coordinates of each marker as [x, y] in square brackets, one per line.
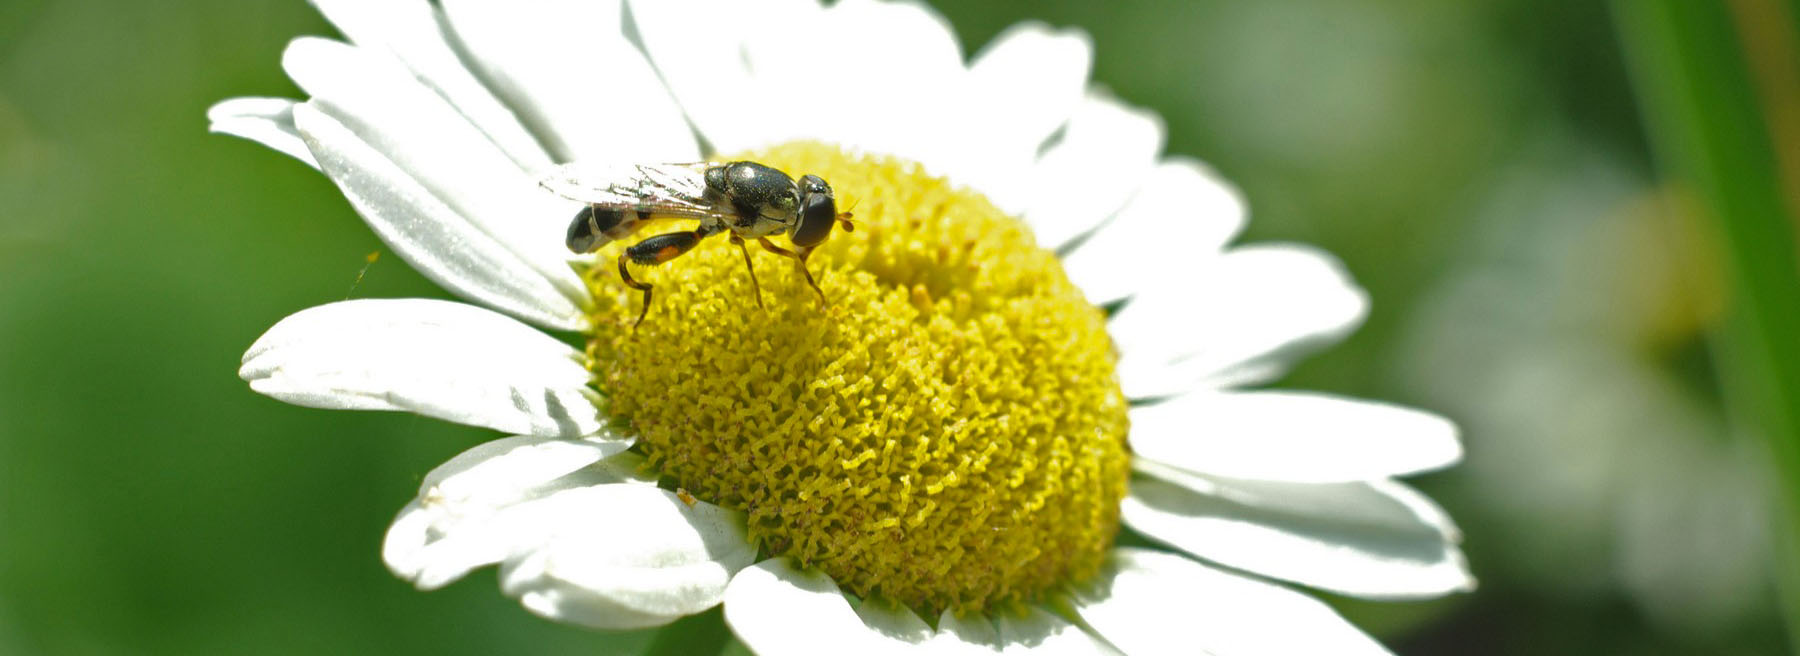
[755, 190]
[946, 431]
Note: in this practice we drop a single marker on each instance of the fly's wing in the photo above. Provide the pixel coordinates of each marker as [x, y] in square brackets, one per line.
[678, 189]
[621, 197]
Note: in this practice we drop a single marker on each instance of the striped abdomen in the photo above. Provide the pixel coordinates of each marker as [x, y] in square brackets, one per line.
[595, 226]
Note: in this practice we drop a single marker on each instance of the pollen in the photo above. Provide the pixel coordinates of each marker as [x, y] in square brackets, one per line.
[946, 430]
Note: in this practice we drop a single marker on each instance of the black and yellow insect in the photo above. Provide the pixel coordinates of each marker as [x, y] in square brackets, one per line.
[746, 199]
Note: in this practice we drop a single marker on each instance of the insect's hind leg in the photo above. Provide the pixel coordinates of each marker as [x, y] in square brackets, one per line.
[644, 286]
[652, 251]
[799, 261]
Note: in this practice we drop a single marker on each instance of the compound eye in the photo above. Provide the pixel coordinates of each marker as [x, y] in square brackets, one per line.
[818, 210]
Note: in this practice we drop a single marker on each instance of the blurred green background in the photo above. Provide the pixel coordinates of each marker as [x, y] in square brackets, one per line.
[1483, 167]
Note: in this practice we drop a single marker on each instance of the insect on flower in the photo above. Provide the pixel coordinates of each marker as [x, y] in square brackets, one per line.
[750, 200]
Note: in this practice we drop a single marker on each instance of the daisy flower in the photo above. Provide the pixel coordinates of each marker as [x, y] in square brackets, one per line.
[1036, 334]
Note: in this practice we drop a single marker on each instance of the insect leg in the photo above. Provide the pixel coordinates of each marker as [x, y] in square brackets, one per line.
[652, 251]
[754, 287]
[629, 282]
[799, 261]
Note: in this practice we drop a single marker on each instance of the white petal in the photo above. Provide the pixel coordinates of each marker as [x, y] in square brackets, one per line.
[1180, 219]
[268, 121]
[894, 621]
[777, 609]
[624, 556]
[437, 358]
[892, 63]
[564, 66]
[1025, 84]
[707, 66]
[426, 138]
[1039, 632]
[969, 634]
[1236, 321]
[476, 484]
[866, 75]
[510, 469]
[1384, 505]
[1016, 93]
[443, 245]
[1035, 633]
[410, 32]
[897, 630]
[1376, 539]
[1106, 150]
[1299, 437]
[1156, 603]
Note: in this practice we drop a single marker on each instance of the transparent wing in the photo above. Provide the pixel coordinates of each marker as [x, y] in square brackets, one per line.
[671, 187]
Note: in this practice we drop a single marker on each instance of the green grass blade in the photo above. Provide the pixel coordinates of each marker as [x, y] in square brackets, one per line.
[1714, 81]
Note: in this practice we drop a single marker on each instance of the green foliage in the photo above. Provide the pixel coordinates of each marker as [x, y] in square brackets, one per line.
[150, 503]
[1713, 90]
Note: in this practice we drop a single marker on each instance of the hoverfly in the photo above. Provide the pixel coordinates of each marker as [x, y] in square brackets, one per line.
[750, 200]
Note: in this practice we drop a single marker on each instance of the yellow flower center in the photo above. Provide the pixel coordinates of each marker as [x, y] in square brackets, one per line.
[947, 432]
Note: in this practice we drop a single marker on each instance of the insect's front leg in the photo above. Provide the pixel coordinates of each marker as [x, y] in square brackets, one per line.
[656, 250]
[799, 261]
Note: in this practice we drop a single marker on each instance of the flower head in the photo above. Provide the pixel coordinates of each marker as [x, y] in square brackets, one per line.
[1036, 332]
